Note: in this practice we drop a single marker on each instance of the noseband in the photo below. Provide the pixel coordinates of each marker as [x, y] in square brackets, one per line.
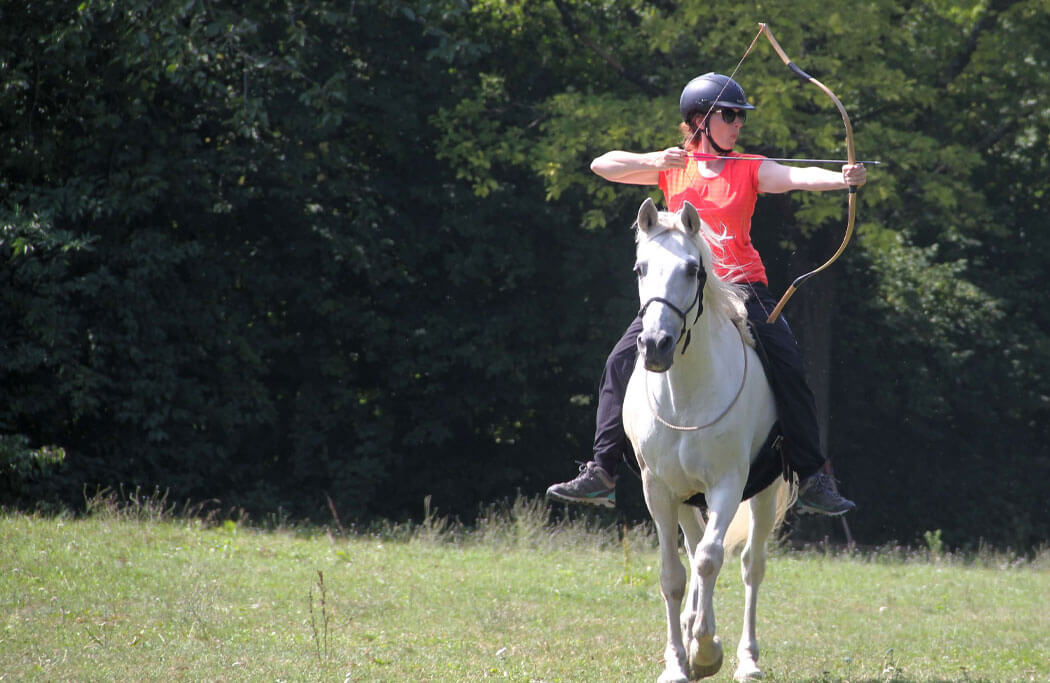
[701, 277]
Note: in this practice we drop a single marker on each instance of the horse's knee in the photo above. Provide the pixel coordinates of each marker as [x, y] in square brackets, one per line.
[709, 558]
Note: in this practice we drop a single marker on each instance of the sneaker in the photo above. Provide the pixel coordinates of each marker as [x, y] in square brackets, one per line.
[592, 486]
[817, 494]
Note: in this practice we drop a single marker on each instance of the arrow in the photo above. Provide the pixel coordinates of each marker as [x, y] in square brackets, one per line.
[715, 157]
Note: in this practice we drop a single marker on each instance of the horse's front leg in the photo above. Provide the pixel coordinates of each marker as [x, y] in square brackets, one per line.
[664, 512]
[753, 570]
[705, 647]
[691, 520]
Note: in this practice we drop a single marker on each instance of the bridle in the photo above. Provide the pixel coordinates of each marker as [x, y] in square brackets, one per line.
[701, 279]
[698, 304]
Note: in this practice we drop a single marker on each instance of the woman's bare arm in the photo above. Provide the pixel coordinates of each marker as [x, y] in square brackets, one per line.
[775, 178]
[638, 169]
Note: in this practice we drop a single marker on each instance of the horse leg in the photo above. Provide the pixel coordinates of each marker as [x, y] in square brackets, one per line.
[691, 519]
[664, 512]
[753, 570]
[705, 647]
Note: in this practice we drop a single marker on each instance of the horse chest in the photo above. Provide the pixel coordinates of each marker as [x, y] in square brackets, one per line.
[687, 461]
[691, 463]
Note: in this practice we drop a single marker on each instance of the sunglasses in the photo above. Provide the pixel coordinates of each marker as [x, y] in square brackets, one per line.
[731, 115]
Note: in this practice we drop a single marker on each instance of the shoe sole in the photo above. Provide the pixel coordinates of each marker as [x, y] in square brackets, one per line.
[599, 501]
[807, 510]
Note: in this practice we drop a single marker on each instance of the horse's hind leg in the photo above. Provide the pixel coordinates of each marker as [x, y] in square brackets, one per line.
[753, 570]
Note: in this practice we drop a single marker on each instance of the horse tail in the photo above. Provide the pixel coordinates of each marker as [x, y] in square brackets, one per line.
[740, 527]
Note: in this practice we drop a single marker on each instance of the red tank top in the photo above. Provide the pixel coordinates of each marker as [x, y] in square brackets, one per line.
[726, 202]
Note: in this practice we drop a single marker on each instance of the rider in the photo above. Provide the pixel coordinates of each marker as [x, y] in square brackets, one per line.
[714, 109]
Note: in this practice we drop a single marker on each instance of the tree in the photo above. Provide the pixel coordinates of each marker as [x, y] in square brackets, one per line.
[270, 254]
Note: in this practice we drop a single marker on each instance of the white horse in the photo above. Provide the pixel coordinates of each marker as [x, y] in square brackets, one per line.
[697, 421]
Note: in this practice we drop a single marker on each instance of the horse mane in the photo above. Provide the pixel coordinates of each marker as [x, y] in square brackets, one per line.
[724, 299]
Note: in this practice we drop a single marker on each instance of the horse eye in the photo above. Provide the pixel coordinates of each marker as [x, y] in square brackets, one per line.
[639, 269]
[693, 270]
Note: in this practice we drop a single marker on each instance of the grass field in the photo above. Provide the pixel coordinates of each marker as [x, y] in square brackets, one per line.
[134, 594]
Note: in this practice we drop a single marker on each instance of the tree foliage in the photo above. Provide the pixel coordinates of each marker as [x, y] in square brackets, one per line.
[317, 255]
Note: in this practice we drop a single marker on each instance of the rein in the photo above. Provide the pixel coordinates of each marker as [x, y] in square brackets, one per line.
[698, 303]
[740, 390]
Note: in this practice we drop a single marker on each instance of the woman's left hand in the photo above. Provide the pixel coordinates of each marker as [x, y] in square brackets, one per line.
[854, 174]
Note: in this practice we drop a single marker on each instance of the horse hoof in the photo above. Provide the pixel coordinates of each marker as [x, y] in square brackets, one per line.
[698, 671]
[748, 672]
[705, 670]
[672, 677]
[705, 660]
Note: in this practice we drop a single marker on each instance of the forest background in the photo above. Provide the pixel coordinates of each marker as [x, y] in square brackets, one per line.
[327, 257]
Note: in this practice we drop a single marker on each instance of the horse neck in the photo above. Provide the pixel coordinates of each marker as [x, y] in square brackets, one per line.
[709, 359]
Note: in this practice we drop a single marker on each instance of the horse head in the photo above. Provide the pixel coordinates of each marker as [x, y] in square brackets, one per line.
[671, 272]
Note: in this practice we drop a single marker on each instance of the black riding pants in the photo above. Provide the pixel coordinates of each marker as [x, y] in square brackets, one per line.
[796, 408]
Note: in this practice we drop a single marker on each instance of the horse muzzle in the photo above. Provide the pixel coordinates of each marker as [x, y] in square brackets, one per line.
[657, 350]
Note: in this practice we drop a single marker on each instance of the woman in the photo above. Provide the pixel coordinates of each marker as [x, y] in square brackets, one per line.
[714, 109]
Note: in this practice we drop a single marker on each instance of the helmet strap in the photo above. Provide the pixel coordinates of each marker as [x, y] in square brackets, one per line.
[721, 150]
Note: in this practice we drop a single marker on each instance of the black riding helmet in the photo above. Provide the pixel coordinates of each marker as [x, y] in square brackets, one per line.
[711, 90]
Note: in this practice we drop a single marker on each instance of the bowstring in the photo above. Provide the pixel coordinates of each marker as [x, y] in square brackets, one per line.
[732, 75]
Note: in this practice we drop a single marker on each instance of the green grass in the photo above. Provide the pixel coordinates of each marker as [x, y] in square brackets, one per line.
[140, 594]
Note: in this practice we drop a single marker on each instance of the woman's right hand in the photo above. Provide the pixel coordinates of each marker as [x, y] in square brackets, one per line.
[672, 157]
[638, 168]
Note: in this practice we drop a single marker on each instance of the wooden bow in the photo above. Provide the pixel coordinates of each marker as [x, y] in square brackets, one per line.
[851, 158]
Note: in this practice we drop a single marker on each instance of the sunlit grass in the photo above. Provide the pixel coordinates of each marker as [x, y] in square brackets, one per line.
[136, 592]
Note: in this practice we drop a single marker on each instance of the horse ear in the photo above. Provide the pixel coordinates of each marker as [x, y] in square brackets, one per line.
[648, 216]
[690, 218]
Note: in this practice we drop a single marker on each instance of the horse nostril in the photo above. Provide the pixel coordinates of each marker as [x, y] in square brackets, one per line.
[654, 347]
